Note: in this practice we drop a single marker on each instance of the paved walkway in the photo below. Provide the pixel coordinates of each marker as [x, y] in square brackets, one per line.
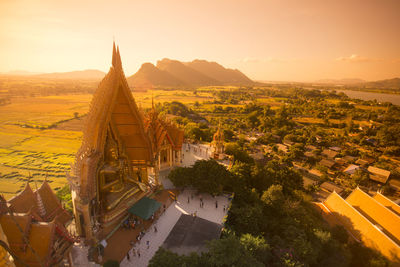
[168, 220]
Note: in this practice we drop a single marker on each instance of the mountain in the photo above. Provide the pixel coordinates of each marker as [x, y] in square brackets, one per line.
[219, 73]
[173, 73]
[185, 73]
[78, 75]
[149, 75]
[21, 73]
[341, 81]
[385, 84]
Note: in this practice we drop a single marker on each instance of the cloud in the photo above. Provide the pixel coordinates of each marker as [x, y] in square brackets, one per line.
[267, 60]
[250, 60]
[356, 58]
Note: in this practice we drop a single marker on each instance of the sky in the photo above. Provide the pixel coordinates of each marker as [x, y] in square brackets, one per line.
[272, 40]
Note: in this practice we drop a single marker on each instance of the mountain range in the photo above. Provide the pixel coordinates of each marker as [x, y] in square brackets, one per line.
[173, 73]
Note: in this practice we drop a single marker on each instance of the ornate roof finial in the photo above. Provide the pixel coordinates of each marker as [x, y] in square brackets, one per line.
[114, 56]
[119, 62]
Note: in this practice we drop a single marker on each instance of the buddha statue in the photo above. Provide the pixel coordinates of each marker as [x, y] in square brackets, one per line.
[116, 181]
[111, 173]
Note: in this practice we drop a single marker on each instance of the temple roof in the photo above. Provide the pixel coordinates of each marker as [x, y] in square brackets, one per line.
[42, 204]
[24, 200]
[219, 135]
[113, 105]
[360, 225]
[387, 203]
[378, 213]
[159, 129]
[52, 205]
[34, 242]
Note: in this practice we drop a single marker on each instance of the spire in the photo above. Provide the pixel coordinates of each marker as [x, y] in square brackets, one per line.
[119, 62]
[114, 55]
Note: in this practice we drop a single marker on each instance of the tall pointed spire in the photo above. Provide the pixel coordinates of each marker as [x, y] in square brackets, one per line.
[114, 55]
[119, 62]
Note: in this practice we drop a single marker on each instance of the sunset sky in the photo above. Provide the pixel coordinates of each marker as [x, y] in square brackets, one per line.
[280, 40]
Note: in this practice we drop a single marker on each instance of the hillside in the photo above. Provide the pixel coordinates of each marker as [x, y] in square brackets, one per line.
[185, 73]
[173, 73]
[340, 81]
[385, 84]
[219, 73]
[78, 75]
[149, 75]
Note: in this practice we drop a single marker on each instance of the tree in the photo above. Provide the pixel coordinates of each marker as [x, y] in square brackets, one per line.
[273, 196]
[230, 252]
[181, 176]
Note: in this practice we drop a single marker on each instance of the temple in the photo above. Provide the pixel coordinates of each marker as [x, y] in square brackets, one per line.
[217, 145]
[121, 155]
[34, 225]
[370, 220]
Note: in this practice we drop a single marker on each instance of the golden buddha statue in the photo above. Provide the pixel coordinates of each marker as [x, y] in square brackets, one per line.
[116, 181]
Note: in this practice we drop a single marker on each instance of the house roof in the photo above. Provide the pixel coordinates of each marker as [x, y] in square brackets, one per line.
[351, 168]
[379, 171]
[379, 175]
[328, 186]
[349, 158]
[361, 162]
[327, 163]
[329, 153]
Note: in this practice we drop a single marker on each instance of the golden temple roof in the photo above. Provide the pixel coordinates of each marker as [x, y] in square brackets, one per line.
[160, 129]
[32, 239]
[355, 220]
[387, 203]
[42, 204]
[376, 212]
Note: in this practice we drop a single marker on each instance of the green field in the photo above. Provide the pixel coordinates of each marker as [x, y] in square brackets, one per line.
[40, 135]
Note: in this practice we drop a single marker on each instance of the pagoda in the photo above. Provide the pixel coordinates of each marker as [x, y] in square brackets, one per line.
[121, 154]
[217, 145]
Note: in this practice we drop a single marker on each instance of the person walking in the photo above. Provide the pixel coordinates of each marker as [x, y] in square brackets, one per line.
[148, 244]
[128, 257]
[138, 253]
[216, 204]
[155, 229]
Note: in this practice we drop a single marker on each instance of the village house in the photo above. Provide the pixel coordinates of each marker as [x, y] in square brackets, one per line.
[378, 175]
[351, 169]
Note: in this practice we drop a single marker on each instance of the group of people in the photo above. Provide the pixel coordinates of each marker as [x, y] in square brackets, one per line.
[131, 223]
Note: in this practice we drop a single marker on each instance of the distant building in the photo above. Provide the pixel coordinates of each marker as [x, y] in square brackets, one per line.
[331, 187]
[329, 153]
[217, 145]
[351, 169]
[395, 184]
[283, 148]
[327, 163]
[378, 175]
